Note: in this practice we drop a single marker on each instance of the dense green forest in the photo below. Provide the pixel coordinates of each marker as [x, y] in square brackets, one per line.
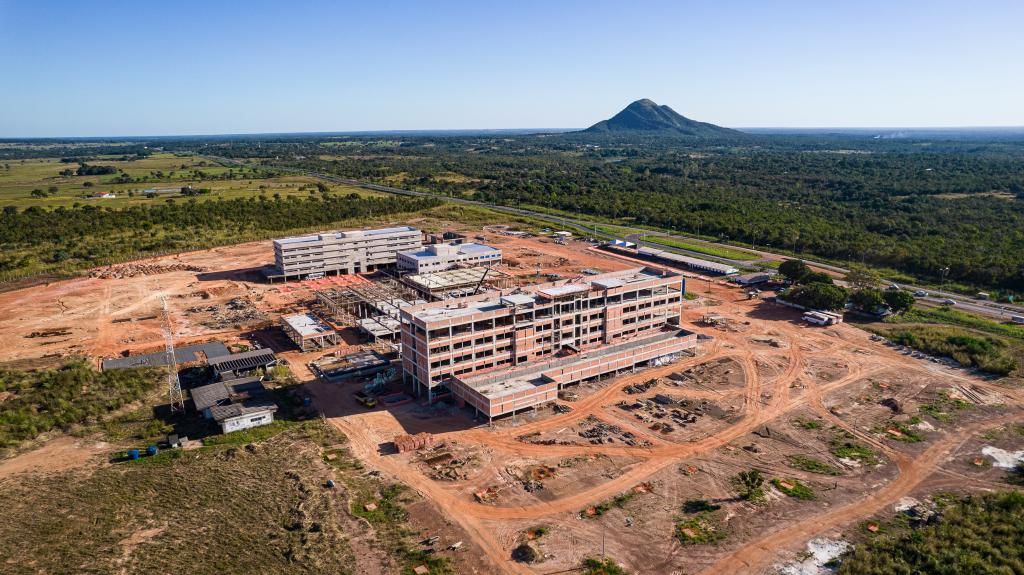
[941, 210]
[915, 212]
[63, 238]
[917, 207]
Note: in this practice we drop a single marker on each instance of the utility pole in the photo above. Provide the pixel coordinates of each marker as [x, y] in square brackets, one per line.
[942, 283]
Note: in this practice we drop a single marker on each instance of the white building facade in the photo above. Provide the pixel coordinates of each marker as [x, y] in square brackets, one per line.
[348, 252]
[440, 257]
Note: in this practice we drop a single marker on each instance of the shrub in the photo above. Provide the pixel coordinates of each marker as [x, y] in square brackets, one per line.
[606, 566]
[749, 484]
[812, 465]
[980, 535]
[798, 490]
[75, 394]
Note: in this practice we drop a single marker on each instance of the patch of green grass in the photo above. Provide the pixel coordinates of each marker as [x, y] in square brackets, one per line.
[798, 490]
[988, 353]
[251, 435]
[60, 399]
[708, 249]
[597, 566]
[812, 465]
[978, 534]
[701, 529]
[845, 446]
[945, 408]
[389, 518]
[268, 508]
[619, 500]
[906, 434]
[808, 424]
[950, 316]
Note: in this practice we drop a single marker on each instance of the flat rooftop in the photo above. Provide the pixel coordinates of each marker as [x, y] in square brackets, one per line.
[447, 279]
[695, 263]
[450, 250]
[307, 325]
[495, 384]
[495, 300]
[345, 234]
[183, 354]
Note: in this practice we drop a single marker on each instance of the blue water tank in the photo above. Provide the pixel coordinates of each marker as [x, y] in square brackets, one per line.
[133, 454]
[151, 450]
[330, 483]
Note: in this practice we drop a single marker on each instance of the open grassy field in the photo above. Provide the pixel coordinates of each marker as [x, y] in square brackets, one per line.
[252, 501]
[20, 178]
[717, 251]
[261, 509]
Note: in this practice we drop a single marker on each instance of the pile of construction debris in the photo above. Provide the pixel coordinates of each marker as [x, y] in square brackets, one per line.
[640, 387]
[534, 438]
[238, 311]
[602, 432]
[664, 413]
[489, 495]
[140, 269]
[533, 480]
[442, 461]
[406, 442]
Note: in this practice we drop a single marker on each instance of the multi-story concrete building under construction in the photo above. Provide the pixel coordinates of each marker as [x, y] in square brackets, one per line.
[440, 257]
[348, 252]
[502, 352]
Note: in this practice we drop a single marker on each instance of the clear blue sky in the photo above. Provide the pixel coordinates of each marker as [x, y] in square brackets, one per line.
[76, 68]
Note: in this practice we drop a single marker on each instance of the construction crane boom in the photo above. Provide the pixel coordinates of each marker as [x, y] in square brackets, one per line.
[173, 383]
[481, 282]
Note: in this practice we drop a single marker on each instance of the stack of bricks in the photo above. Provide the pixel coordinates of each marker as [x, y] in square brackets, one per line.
[406, 443]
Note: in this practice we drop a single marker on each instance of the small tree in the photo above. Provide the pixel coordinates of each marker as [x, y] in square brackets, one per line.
[867, 299]
[794, 270]
[818, 296]
[817, 278]
[899, 301]
[860, 277]
[749, 484]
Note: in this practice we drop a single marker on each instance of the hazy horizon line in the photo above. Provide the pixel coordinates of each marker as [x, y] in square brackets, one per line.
[517, 131]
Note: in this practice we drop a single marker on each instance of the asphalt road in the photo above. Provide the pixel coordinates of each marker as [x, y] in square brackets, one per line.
[986, 308]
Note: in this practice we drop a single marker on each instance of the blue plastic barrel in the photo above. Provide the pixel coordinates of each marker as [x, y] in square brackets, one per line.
[330, 483]
[151, 450]
[133, 454]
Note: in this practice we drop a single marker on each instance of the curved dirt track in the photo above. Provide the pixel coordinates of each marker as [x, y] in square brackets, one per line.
[764, 399]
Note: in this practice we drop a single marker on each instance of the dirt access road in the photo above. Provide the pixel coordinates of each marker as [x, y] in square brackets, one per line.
[766, 399]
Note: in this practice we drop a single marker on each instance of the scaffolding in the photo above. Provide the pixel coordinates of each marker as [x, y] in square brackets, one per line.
[458, 282]
[374, 307]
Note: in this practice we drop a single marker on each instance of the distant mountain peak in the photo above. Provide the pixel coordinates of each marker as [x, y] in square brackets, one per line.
[646, 116]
